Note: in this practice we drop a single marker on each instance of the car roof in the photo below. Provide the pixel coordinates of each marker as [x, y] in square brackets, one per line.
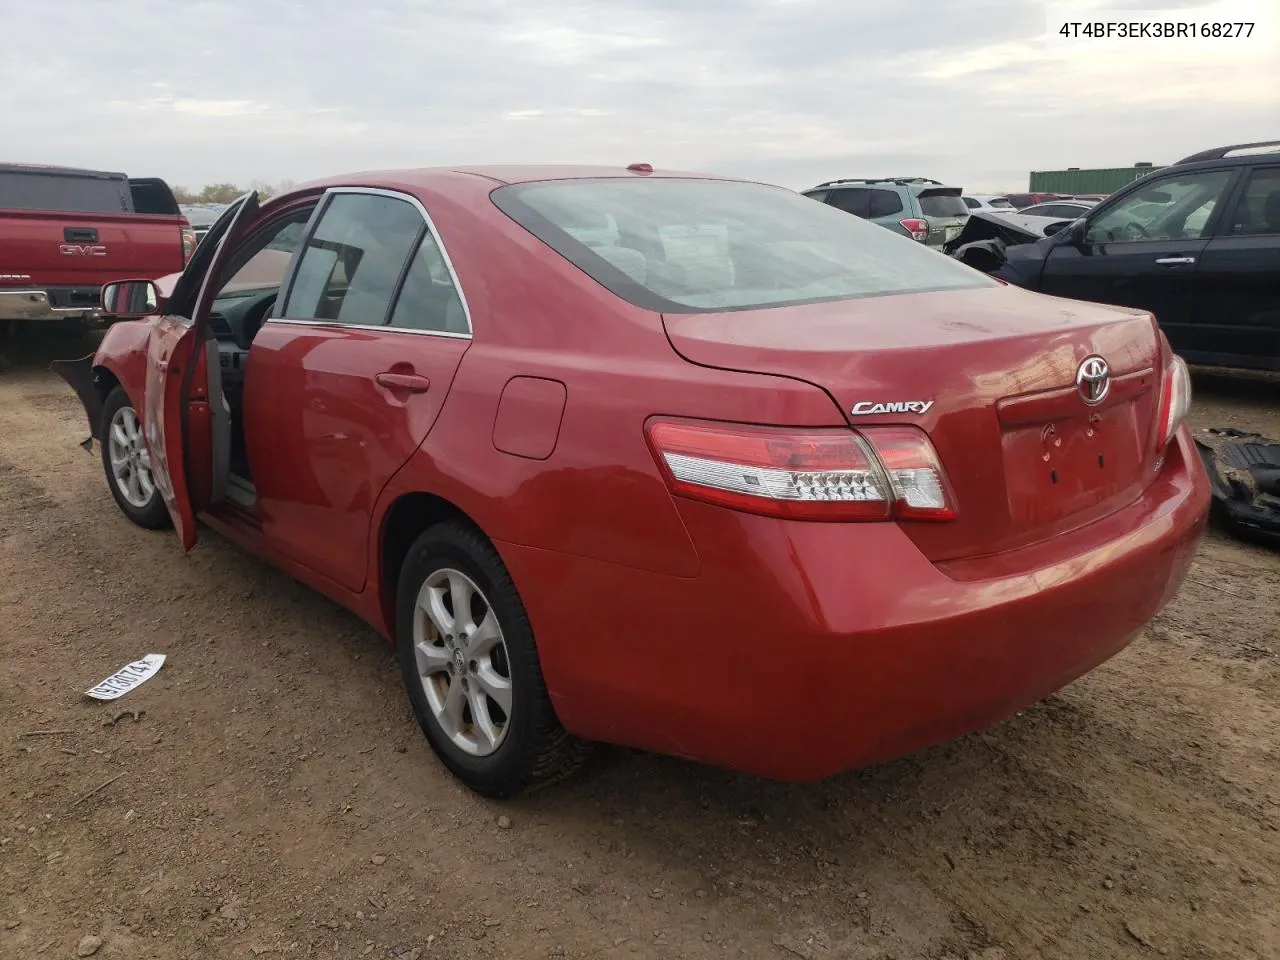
[1244, 153]
[48, 168]
[910, 183]
[436, 177]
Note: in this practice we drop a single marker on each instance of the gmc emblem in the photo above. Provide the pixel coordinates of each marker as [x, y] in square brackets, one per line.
[82, 250]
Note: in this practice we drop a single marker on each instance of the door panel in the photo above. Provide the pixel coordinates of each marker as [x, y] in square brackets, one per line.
[1143, 249]
[169, 347]
[1238, 310]
[184, 415]
[324, 436]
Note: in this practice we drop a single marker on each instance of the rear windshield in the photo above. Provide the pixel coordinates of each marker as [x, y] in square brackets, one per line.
[938, 203]
[20, 190]
[694, 246]
[1001, 202]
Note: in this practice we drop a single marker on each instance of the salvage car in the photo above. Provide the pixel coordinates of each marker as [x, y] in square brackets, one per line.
[916, 207]
[1197, 243]
[683, 463]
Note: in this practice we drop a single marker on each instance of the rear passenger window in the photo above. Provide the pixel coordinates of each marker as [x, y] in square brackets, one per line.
[884, 203]
[429, 300]
[855, 200]
[1258, 211]
[353, 260]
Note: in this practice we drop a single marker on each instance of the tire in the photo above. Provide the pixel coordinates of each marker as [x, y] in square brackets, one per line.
[496, 753]
[138, 499]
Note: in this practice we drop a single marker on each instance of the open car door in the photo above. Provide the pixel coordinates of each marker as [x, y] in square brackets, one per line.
[185, 418]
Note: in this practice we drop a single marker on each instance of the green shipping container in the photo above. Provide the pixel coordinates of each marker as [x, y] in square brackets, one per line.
[1074, 180]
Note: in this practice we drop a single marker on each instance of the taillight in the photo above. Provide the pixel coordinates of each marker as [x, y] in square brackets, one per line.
[919, 229]
[915, 473]
[1175, 398]
[833, 474]
[188, 243]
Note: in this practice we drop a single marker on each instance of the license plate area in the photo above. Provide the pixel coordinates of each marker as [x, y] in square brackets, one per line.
[1072, 465]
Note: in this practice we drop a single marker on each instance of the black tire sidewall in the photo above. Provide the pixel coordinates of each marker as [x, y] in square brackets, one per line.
[154, 515]
[508, 770]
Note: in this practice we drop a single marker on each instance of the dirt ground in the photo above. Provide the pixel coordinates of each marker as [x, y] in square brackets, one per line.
[273, 797]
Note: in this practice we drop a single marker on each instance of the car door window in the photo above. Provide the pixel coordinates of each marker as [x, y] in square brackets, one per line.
[353, 260]
[855, 200]
[819, 195]
[971, 203]
[1174, 208]
[260, 265]
[884, 203]
[429, 300]
[1258, 212]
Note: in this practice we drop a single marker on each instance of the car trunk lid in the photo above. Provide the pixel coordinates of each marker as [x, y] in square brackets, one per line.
[1026, 456]
[945, 211]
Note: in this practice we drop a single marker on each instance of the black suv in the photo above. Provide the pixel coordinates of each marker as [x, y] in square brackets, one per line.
[1197, 243]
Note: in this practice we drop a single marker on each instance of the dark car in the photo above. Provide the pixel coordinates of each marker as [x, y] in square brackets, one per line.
[1197, 243]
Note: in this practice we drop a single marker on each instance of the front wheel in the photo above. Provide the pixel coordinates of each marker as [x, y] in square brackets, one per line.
[471, 668]
[128, 464]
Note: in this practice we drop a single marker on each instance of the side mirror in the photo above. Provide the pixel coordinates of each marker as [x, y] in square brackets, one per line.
[125, 299]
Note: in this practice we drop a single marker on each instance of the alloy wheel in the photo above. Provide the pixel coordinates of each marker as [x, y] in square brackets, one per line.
[130, 461]
[462, 662]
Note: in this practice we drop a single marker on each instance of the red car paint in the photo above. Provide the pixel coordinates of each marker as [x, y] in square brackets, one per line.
[791, 648]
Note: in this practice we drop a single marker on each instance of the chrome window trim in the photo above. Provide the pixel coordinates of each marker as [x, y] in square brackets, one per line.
[381, 328]
[318, 215]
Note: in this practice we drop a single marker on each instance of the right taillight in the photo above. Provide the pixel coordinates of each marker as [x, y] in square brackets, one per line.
[919, 229]
[831, 474]
[1175, 398]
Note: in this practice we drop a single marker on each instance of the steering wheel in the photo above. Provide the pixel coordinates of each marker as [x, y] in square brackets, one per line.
[1136, 231]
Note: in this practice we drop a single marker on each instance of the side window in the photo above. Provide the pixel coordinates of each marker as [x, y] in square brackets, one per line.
[855, 200]
[884, 203]
[429, 300]
[1258, 211]
[1174, 208]
[349, 269]
[264, 259]
[819, 195]
[971, 203]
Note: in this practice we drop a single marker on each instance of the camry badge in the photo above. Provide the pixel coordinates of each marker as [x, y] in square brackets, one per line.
[867, 408]
[1093, 380]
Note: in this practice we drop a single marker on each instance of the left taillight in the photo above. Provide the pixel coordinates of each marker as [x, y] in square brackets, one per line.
[918, 229]
[883, 473]
[1175, 398]
[188, 242]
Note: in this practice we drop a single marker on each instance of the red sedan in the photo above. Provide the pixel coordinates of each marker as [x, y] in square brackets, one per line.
[689, 464]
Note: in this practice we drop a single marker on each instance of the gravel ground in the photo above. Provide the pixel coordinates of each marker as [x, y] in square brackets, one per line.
[273, 796]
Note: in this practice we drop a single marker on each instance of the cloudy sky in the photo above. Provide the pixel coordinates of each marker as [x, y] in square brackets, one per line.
[789, 91]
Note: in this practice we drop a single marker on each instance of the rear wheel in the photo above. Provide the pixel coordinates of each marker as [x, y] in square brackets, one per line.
[128, 463]
[471, 667]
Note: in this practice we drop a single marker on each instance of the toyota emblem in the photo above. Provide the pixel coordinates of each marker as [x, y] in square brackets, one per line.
[1093, 380]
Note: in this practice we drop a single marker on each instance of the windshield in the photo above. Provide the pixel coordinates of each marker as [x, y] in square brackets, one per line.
[689, 246]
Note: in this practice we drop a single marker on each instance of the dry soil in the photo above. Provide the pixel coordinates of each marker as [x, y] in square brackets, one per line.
[272, 796]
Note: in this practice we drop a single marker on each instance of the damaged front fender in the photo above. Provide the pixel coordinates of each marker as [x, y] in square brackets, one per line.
[79, 375]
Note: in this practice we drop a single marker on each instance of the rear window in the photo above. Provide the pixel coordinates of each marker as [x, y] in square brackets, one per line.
[694, 246]
[1001, 202]
[63, 193]
[940, 203]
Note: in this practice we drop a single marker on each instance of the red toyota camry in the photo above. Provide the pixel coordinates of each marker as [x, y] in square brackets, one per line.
[690, 464]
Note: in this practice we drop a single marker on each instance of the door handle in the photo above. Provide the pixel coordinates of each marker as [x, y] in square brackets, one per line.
[409, 382]
[1175, 261]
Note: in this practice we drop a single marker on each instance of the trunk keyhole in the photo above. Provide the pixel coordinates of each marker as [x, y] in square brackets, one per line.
[1102, 461]
[1053, 475]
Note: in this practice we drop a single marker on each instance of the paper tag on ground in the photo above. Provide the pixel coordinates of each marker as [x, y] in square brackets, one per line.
[121, 682]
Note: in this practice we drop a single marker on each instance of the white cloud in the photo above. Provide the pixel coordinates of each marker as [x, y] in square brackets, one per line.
[791, 91]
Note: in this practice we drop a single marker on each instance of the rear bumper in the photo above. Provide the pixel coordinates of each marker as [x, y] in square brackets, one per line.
[805, 649]
[30, 304]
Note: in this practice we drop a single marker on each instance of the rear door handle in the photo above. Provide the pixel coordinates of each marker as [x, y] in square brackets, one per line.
[409, 382]
[1175, 261]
